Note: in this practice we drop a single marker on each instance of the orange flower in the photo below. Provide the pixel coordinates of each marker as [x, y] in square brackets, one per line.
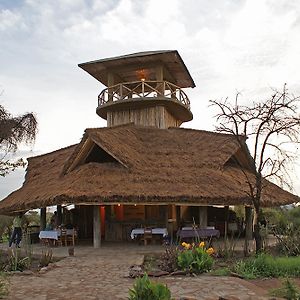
[202, 244]
[210, 251]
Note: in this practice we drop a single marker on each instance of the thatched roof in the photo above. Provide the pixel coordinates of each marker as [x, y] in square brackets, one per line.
[130, 164]
[125, 66]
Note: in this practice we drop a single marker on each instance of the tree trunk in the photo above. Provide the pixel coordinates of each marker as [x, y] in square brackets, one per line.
[257, 235]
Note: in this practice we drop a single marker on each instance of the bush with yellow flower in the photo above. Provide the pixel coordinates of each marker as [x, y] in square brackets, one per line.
[195, 258]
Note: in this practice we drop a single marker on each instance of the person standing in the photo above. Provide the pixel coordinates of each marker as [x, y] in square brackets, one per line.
[17, 231]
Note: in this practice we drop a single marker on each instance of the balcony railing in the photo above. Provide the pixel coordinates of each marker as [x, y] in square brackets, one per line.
[143, 89]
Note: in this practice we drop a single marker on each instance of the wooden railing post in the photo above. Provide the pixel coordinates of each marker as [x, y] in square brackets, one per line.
[115, 92]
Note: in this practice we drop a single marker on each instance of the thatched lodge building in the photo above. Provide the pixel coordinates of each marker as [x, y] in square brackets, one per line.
[142, 169]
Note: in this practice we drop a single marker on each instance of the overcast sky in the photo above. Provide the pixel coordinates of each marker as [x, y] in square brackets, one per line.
[228, 46]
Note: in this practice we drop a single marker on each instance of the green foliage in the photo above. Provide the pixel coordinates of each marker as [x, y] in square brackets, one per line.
[168, 260]
[16, 263]
[195, 260]
[144, 289]
[221, 272]
[8, 166]
[32, 218]
[5, 227]
[264, 265]
[45, 258]
[288, 291]
[289, 240]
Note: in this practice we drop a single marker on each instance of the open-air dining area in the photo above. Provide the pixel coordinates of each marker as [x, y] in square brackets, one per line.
[135, 224]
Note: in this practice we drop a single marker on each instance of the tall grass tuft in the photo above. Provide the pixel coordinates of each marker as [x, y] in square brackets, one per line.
[264, 265]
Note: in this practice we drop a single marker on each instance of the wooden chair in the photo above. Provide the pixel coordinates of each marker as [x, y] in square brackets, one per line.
[147, 236]
[71, 238]
[62, 237]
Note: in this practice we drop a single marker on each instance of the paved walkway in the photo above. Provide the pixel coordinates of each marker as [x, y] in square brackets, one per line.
[101, 274]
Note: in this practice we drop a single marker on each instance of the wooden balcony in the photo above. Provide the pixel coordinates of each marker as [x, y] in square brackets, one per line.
[143, 90]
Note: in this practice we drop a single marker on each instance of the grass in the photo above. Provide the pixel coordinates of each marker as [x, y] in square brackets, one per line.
[265, 265]
[221, 272]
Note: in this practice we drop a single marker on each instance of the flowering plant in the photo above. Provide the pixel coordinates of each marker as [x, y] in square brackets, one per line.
[195, 258]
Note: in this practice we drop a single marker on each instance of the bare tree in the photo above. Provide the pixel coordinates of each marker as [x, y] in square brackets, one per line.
[272, 128]
[13, 131]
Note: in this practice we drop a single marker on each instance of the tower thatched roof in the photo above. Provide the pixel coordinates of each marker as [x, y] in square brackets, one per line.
[130, 164]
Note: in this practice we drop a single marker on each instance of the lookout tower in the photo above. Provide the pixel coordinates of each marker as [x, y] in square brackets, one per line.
[145, 88]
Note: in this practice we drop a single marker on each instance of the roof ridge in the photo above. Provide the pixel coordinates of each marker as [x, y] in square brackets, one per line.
[52, 152]
[205, 131]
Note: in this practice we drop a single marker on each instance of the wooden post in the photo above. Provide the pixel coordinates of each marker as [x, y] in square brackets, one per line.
[203, 216]
[178, 217]
[159, 70]
[97, 226]
[110, 83]
[59, 214]
[43, 218]
[248, 229]
[226, 215]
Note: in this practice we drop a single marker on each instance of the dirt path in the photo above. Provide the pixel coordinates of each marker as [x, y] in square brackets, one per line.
[101, 275]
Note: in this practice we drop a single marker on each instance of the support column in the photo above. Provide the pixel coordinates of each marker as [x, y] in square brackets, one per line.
[203, 216]
[159, 70]
[226, 215]
[59, 215]
[248, 229]
[96, 226]
[178, 217]
[110, 83]
[43, 218]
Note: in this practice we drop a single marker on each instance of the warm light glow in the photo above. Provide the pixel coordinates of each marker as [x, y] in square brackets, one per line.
[134, 204]
[119, 204]
[142, 74]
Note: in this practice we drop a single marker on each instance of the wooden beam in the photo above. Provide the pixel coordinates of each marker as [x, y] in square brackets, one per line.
[96, 226]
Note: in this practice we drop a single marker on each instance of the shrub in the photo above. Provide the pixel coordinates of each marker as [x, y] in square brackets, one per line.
[45, 258]
[195, 258]
[16, 263]
[144, 289]
[288, 240]
[265, 265]
[168, 261]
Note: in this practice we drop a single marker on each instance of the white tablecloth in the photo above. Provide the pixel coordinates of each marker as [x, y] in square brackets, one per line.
[53, 234]
[139, 231]
[50, 234]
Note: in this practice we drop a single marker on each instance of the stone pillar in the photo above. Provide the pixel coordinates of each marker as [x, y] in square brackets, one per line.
[43, 218]
[59, 214]
[248, 229]
[96, 226]
[203, 216]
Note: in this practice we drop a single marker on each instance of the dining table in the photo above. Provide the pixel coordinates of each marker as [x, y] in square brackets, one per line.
[155, 231]
[186, 232]
[53, 234]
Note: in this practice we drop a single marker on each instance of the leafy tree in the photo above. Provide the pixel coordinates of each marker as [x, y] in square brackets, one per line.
[272, 128]
[13, 131]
